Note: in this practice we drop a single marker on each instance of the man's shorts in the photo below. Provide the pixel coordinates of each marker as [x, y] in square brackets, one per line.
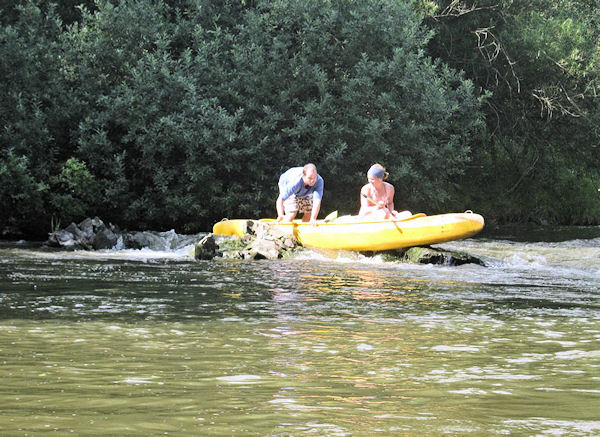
[298, 204]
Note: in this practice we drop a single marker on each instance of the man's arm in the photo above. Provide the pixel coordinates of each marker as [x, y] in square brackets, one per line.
[316, 207]
[279, 207]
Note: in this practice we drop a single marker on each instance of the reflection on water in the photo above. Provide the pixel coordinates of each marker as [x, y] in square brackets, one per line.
[147, 343]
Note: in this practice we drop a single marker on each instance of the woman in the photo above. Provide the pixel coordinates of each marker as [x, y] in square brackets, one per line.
[377, 197]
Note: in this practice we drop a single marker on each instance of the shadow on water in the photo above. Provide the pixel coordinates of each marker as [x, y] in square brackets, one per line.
[539, 233]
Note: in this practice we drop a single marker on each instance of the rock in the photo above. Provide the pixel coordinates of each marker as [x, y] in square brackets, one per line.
[430, 255]
[63, 239]
[74, 229]
[262, 241]
[206, 248]
[104, 239]
[87, 229]
[232, 254]
[97, 224]
[95, 234]
[90, 233]
[263, 230]
[249, 226]
[424, 255]
[171, 240]
[460, 258]
[139, 240]
[265, 249]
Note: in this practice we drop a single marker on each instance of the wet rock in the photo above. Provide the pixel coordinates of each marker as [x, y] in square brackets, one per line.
[265, 249]
[105, 238]
[424, 255]
[206, 248]
[460, 258]
[262, 241]
[231, 254]
[93, 233]
[262, 230]
[90, 233]
[430, 255]
[75, 231]
[139, 240]
[87, 228]
[64, 239]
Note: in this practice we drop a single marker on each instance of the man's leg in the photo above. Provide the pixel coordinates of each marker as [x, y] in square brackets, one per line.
[305, 207]
[289, 216]
[290, 209]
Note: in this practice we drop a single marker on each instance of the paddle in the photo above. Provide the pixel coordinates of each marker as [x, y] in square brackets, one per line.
[373, 201]
[396, 218]
[331, 217]
[369, 198]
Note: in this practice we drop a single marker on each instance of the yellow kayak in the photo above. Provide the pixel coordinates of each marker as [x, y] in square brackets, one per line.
[353, 233]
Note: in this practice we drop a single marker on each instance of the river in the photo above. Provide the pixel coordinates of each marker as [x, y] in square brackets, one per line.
[151, 342]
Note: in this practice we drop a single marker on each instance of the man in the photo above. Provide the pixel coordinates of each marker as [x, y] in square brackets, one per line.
[300, 190]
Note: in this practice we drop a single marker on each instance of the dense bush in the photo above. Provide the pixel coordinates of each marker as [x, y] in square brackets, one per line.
[176, 113]
[539, 61]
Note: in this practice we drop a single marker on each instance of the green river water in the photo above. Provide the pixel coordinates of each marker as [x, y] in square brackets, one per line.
[151, 342]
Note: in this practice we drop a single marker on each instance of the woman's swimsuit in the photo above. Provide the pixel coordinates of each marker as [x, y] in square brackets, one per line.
[373, 199]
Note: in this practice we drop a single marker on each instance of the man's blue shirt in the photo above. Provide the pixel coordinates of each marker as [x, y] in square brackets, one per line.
[291, 182]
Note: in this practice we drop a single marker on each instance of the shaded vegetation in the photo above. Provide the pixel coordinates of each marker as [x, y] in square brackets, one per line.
[538, 159]
[176, 113]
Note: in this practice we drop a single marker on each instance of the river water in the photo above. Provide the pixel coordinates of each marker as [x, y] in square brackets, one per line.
[151, 342]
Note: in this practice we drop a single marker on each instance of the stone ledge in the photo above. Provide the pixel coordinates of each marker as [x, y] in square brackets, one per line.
[430, 255]
[261, 241]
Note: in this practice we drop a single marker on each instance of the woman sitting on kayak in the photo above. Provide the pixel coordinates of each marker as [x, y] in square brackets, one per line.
[377, 197]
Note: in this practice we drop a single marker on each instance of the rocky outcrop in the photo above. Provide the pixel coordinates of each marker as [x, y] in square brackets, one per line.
[206, 248]
[89, 234]
[139, 240]
[95, 234]
[430, 255]
[261, 241]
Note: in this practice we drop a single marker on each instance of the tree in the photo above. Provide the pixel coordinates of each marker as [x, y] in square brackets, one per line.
[204, 113]
[177, 113]
[538, 59]
[343, 84]
[31, 99]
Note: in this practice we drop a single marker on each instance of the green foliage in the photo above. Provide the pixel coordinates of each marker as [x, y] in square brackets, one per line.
[163, 114]
[76, 178]
[30, 111]
[21, 194]
[537, 61]
[204, 117]
[29, 94]
[343, 84]
[73, 192]
[65, 9]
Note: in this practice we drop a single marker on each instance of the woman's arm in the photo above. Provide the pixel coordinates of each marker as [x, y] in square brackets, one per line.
[364, 202]
[390, 193]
